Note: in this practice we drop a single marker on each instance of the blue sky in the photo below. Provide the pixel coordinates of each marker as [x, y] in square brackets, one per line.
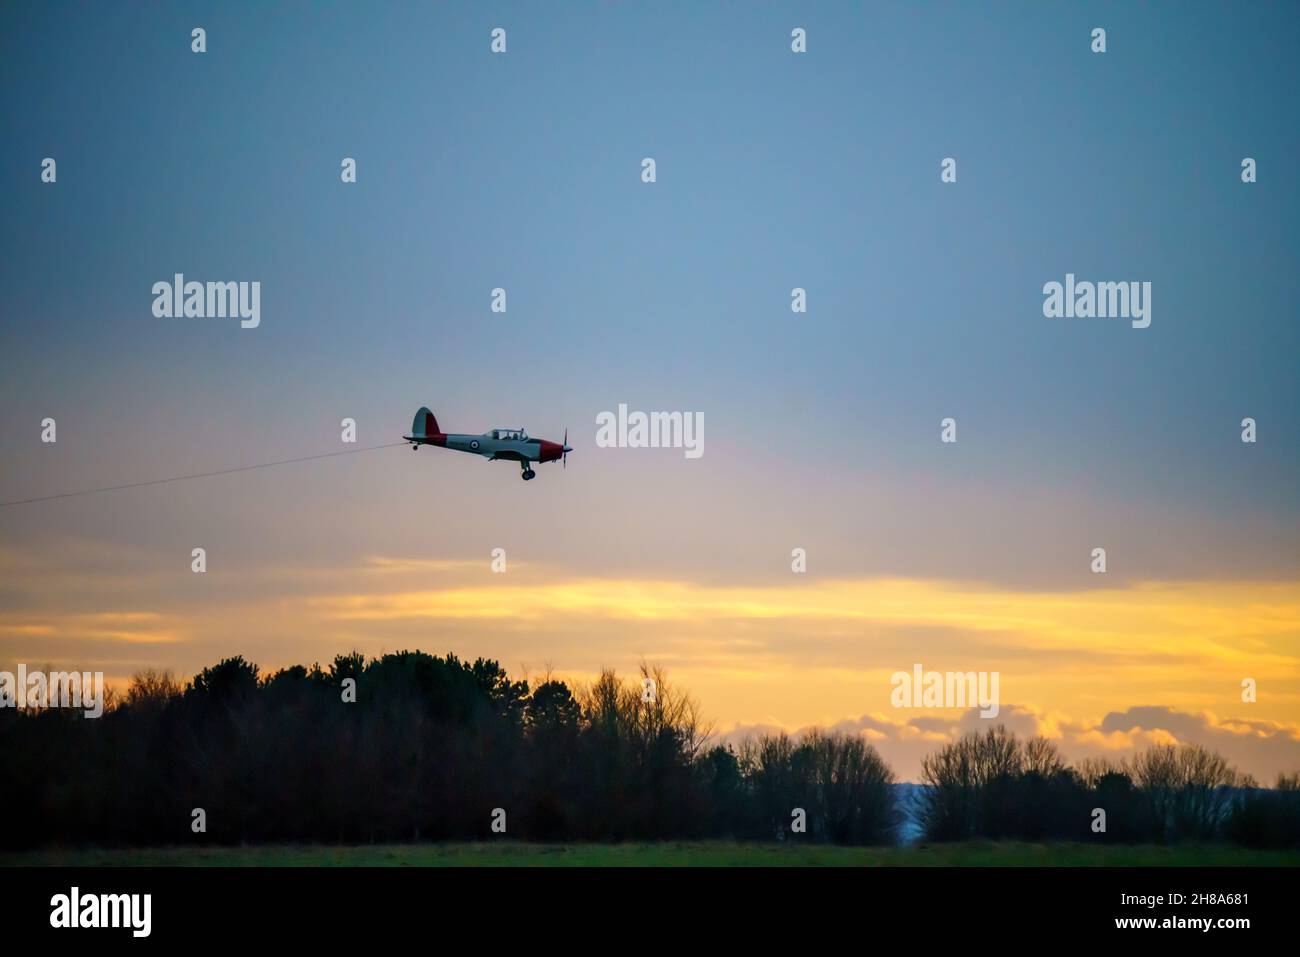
[775, 171]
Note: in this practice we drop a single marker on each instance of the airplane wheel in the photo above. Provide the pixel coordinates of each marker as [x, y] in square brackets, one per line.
[528, 474]
[414, 447]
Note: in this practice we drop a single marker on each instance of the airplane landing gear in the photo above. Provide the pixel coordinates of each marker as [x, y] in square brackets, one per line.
[527, 474]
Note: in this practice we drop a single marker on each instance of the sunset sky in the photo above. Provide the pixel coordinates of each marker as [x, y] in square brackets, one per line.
[821, 430]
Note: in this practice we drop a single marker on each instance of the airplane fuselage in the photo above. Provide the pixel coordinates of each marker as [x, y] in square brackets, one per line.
[513, 445]
[514, 450]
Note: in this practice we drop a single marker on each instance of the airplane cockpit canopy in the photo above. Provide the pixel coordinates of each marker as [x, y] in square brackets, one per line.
[510, 435]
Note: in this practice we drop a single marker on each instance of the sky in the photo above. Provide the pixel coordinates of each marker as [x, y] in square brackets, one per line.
[774, 170]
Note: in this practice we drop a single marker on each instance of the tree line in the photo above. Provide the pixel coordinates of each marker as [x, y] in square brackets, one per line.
[412, 746]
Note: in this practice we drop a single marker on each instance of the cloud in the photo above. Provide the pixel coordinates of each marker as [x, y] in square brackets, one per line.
[1101, 670]
[1259, 748]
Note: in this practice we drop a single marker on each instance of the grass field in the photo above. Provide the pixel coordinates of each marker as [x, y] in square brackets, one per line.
[669, 854]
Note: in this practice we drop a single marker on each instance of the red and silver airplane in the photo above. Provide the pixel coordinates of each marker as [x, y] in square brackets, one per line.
[511, 444]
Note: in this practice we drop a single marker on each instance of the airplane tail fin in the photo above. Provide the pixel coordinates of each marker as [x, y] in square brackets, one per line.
[425, 423]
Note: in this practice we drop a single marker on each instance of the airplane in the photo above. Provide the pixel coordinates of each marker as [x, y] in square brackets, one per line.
[511, 444]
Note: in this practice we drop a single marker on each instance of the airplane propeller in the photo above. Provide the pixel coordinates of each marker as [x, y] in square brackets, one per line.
[564, 459]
